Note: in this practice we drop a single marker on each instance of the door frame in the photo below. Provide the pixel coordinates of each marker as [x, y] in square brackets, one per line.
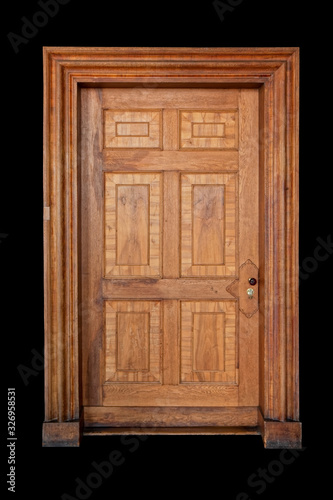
[275, 72]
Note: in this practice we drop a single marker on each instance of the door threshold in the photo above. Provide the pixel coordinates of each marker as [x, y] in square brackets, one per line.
[108, 431]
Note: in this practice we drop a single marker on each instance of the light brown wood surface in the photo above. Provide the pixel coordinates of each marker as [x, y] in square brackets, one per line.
[169, 332]
[132, 224]
[130, 110]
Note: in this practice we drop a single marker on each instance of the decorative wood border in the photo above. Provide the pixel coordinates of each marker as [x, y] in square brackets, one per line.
[275, 71]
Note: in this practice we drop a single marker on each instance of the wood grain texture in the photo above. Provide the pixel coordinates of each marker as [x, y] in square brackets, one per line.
[138, 416]
[133, 347]
[277, 434]
[132, 341]
[292, 238]
[151, 160]
[208, 342]
[173, 431]
[171, 342]
[169, 101]
[133, 224]
[183, 288]
[132, 128]
[276, 72]
[171, 229]
[279, 183]
[208, 225]
[199, 394]
[206, 129]
[249, 247]
[64, 434]
[91, 249]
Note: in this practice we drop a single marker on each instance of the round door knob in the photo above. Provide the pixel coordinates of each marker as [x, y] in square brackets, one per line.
[252, 281]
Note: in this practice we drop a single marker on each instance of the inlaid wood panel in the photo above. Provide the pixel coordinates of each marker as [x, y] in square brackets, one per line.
[208, 342]
[208, 224]
[132, 128]
[208, 129]
[132, 224]
[132, 341]
[132, 219]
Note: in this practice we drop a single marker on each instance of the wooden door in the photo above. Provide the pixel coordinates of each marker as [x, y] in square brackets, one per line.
[169, 238]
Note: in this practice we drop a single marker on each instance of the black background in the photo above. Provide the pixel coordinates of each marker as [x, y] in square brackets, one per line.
[218, 467]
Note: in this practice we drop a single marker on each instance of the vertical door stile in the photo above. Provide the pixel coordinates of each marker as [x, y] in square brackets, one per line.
[170, 257]
[249, 240]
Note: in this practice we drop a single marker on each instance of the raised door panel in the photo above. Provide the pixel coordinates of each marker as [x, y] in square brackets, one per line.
[132, 225]
[208, 342]
[132, 129]
[132, 341]
[208, 225]
[207, 129]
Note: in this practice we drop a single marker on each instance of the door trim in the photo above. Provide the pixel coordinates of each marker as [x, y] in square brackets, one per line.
[275, 72]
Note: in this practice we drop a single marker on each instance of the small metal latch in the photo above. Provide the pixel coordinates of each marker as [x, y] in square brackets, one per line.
[250, 292]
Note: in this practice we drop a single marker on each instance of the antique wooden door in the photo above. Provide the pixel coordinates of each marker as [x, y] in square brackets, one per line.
[171, 242]
[169, 233]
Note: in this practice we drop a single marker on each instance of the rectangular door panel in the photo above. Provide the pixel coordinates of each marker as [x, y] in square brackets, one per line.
[208, 342]
[208, 225]
[132, 225]
[207, 129]
[132, 129]
[132, 341]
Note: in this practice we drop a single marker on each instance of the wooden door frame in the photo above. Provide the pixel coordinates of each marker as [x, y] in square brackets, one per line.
[275, 72]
